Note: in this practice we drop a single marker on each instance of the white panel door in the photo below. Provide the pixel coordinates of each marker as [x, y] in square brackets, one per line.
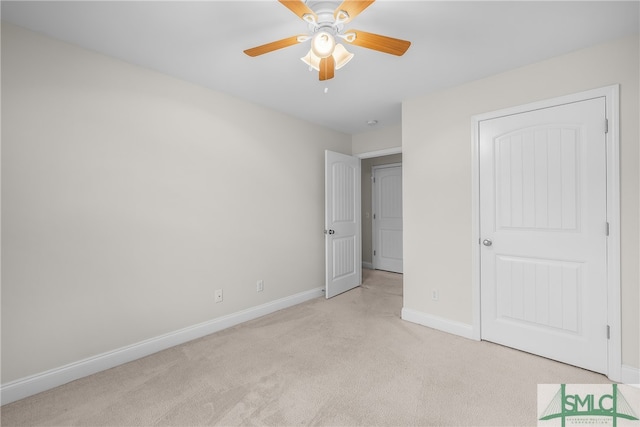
[387, 218]
[342, 223]
[543, 231]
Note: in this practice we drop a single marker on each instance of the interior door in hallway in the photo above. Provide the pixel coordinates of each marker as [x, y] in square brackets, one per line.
[387, 218]
[543, 280]
[343, 255]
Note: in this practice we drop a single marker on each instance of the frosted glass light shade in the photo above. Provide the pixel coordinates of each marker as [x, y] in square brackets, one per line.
[342, 56]
[323, 44]
[311, 60]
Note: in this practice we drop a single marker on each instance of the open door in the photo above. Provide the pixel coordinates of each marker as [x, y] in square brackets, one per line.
[342, 223]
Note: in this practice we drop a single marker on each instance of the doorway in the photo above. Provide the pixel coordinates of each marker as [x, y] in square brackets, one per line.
[344, 189]
[368, 164]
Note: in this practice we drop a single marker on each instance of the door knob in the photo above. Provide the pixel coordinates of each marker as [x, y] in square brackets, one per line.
[487, 242]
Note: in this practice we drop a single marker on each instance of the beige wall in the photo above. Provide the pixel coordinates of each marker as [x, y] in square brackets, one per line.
[436, 147]
[367, 224]
[128, 197]
[376, 140]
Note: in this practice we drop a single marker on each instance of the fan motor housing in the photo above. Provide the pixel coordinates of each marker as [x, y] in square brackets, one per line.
[317, 5]
[324, 9]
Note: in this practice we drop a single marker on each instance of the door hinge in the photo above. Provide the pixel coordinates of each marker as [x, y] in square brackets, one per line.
[606, 125]
[374, 178]
[374, 216]
[374, 253]
[606, 227]
[608, 332]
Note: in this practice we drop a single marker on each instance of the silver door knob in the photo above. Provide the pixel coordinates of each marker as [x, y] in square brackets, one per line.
[487, 242]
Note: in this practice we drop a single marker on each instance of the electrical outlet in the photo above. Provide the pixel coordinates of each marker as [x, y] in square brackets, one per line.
[219, 295]
[260, 286]
[435, 295]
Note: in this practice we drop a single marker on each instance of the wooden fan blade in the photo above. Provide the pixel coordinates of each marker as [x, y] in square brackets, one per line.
[353, 8]
[380, 43]
[299, 8]
[270, 47]
[327, 68]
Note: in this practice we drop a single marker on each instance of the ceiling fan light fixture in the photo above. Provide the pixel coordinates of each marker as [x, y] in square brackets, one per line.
[323, 44]
[342, 56]
[326, 19]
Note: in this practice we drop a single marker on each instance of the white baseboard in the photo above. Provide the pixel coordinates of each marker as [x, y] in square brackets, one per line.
[630, 375]
[439, 323]
[37, 383]
[368, 265]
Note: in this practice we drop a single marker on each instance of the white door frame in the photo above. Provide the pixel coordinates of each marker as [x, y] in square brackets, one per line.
[611, 95]
[378, 153]
[374, 199]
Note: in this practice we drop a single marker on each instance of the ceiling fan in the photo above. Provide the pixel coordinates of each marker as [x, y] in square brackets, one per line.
[326, 21]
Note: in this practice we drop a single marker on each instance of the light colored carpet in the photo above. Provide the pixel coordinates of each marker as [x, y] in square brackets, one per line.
[349, 360]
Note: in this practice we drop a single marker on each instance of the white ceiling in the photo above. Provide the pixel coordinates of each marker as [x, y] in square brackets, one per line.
[452, 42]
